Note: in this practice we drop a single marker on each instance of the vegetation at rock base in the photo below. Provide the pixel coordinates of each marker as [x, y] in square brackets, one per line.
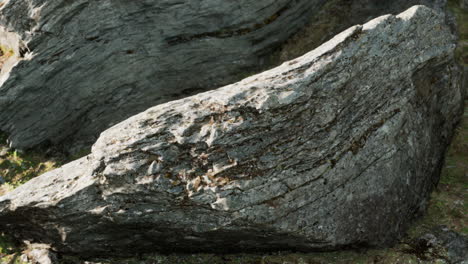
[9, 252]
[462, 23]
[17, 167]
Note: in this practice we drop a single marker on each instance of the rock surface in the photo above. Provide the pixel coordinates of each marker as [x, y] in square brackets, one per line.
[90, 64]
[39, 254]
[340, 147]
[442, 242]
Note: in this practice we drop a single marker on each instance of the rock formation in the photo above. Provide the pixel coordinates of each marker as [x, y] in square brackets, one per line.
[87, 65]
[340, 147]
[441, 239]
[90, 64]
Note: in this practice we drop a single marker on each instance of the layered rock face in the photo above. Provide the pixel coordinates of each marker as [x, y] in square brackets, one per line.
[340, 147]
[88, 65]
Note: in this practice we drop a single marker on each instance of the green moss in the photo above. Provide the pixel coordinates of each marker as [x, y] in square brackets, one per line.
[18, 167]
[9, 251]
[3, 138]
[6, 245]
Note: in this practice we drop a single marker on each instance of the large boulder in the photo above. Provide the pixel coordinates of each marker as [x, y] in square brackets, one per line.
[84, 66]
[340, 147]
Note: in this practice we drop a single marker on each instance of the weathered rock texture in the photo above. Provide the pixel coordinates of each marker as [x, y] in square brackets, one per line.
[92, 64]
[340, 147]
[442, 239]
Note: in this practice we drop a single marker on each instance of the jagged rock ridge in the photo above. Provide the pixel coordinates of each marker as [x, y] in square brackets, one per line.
[339, 147]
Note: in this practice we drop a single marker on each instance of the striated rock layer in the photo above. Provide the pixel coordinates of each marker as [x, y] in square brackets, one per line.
[90, 64]
[340, 147]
